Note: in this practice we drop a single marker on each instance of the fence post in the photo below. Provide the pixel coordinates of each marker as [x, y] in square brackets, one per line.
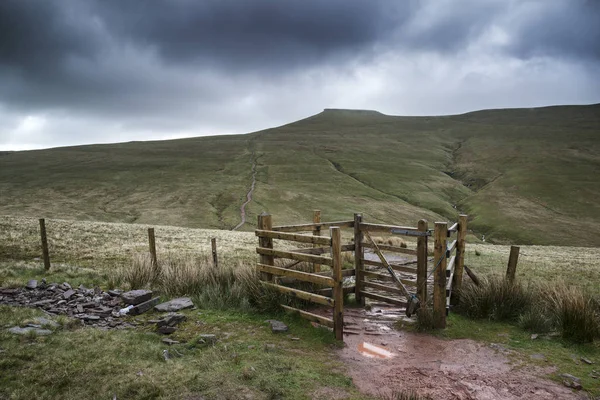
[338, 290]
[461, 236]
[439, 283]
[512, 263]
[45, 253]
[422, 263]
[152, 248]
[265, 223]
[317, 232]
[358, 260]
[213, 244]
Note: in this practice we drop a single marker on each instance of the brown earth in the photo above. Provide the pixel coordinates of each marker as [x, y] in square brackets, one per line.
[383, 361]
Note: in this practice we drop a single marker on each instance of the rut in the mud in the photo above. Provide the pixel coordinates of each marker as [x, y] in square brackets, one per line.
[248, 196]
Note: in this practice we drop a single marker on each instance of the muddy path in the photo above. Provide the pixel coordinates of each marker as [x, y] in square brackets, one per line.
[248, 195]
[382, 360]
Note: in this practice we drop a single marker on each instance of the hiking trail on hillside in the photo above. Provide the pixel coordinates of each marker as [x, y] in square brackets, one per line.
[248, 195]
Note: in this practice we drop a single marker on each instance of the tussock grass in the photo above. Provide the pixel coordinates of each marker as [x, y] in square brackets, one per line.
[569, 310]
[424, 319]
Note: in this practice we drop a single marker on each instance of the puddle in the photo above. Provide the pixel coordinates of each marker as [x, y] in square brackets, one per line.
[373, 351]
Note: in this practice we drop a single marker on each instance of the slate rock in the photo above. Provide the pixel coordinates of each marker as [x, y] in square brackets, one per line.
[68, 294]
[277, 326]
[180, 303]
[171, 319]
[115, 292]
[135, 297]
[32, 284]
[145, 306]
[169, 341]
[88, 317]
[24, 331]
[46, 322]
[166, 330]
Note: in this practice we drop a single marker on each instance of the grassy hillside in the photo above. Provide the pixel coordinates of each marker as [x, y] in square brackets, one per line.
[530, 176]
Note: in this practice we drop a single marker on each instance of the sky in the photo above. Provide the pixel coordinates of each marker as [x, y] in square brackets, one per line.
[101, 71]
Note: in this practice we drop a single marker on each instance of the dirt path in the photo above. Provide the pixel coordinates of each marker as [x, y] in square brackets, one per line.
[248, 196]
[382, 361]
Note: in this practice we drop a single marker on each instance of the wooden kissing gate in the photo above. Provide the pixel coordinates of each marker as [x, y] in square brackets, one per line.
[327, 271]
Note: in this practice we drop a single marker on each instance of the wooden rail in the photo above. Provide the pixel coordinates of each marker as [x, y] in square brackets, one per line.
[322, 240]
[395, 249]
[387, 228]
[313, 226]
[303, 276]
[294, 256]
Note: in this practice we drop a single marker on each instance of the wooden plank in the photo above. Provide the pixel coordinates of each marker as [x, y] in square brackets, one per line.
[329, 291]
[303, 276]
[387, 278]
[385, 228]
[215, 256]
[322, 250]
[422, 263]
[451, 248]
[460, 257]
[295, 237]
[450, 267]
[359, 254]
[294, 256]
[385, 288]
[44, 238]
[453, 228]
[385, 299]
[265, 223]
[439, 285]
[338, 289]
[317, 232]
[401, 268]
[311, 227]
[345, 273]
[301, 294]
[512, 263]
[152, 249]
[395, 249]
[310, 316]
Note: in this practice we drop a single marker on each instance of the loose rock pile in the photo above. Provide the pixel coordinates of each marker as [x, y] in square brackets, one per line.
[95, 307]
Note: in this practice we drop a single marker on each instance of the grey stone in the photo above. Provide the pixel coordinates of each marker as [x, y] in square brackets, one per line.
[65, 286]
[68, 294]
[171, 319]
[145, 306]
[169, 341]
[178, 304]
[88, 317]
[277, 326]
[115, 292]
[207, 338]
[166, 330]
[46, 322]
[135, 297]
[24, 331]
[43, 302]
[571, 377]
[585, 360]
[32, 284]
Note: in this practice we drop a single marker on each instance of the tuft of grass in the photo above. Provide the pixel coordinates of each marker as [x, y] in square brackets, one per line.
[425, 321]
[496, 299]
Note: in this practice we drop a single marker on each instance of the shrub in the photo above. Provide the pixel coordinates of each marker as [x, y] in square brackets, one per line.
[496, 299]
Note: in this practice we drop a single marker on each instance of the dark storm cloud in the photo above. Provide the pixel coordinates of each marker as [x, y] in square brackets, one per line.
[162, 66]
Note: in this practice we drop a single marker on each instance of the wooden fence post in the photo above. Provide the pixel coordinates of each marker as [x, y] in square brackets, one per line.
[459, 265]
[45, 252]
[317, 232]
[152, 248]
[439, 284]
[213, 245]
[512, 263]
[338, 290]
[265, 223]
[422, 263]
[358, 260]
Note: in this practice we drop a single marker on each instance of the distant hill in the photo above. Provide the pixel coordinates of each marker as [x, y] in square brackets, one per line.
[530, 176]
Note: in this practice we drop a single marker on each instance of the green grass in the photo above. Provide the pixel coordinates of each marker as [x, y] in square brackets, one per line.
[523, 175]
[94, 364]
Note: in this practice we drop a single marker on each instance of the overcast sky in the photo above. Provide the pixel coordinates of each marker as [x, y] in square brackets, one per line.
[85, 71]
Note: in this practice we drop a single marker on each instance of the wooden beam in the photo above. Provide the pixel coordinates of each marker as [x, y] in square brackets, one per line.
[396, 249]
[345, 273]
[295, 237]
[385, 288]
[338, 289]
[450, 267]
[322, 250]
[303, 276]
[329, 291]
[472, 275]
[385, 299]
[512, 263]
[359, 254]
[309, 316]
[439, 285]
[317, 232]
[461, 238]
[388, 278]
[453, 228]
[422, 263]
[215, 255]
[385, 228]
[311, 227]
[152, 249]
[301, 294]
[44, 238]
[265, 223]
[451, 248]
[294, 256]
[395, 267]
